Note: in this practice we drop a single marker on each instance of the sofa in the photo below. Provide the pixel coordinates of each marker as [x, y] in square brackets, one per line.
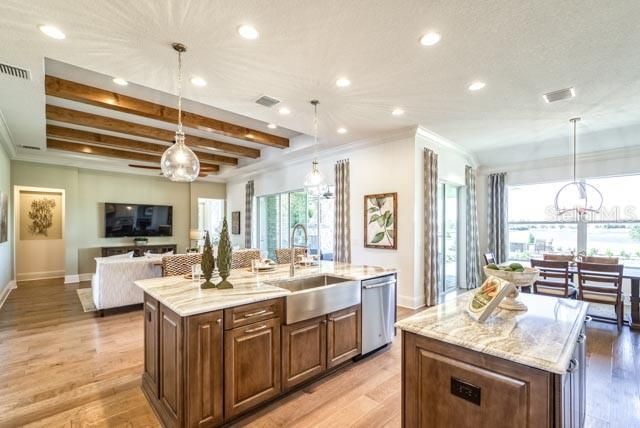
[112, 284]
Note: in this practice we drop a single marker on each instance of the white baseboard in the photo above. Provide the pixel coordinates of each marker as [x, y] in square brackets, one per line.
[411, 302]
[12, 285]
[33, 276]
[72, 279]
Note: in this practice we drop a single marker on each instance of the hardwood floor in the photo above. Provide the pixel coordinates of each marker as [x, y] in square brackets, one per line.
[62, 367]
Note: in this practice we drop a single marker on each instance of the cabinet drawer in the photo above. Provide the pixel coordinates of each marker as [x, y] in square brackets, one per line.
[253, 312]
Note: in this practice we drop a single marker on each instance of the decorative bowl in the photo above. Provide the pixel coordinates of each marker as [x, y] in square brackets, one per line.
[519, 279]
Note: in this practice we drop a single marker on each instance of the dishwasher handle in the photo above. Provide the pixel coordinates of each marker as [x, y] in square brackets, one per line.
[383, 284]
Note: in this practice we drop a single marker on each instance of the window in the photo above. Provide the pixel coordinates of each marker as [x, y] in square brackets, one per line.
[448, 236]
[535, 229]
[278, 213]
[210, 215]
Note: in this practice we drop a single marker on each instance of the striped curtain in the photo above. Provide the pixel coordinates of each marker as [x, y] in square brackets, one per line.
[342, 238]
[430, 227]
[497, 212]
[249, 193]
[472, 242]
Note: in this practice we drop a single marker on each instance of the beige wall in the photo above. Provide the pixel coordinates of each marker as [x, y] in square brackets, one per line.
[88, 190]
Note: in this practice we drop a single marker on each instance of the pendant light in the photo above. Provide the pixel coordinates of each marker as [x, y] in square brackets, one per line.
[577, 197]
[179, 162]
[314, 183]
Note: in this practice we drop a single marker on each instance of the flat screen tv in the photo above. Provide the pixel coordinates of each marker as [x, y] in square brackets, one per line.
[137, 220]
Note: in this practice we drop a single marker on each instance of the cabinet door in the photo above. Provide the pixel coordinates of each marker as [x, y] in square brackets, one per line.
[343, 335]
[170, 367]
[150, 375]
[204, 369]
[304, 351]
[252, 365]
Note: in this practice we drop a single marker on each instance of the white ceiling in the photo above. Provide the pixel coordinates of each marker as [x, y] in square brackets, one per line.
[521, 48]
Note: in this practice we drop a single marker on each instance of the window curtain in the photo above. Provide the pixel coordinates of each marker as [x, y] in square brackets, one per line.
[430, 227]
[249, 193]
[342, 238]
[497, 212]
[472, 252]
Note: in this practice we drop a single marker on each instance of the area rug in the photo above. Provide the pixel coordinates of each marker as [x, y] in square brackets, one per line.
[86, 299]
[606, 311]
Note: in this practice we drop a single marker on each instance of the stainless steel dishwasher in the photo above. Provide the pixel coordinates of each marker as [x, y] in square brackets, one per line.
[378, 312]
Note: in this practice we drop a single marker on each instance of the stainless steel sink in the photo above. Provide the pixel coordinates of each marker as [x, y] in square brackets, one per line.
[311, 297]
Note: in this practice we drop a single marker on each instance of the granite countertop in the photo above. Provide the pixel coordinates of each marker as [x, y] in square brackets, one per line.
[543, 337]
[185, 297]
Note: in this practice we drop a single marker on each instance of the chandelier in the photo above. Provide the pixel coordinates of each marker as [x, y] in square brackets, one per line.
[577, 196]
[314, 183]
[179, 162]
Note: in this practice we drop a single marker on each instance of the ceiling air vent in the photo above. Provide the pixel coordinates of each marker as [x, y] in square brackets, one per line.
[560, 95]
[21, 73]
[30, 147]
[267, 101]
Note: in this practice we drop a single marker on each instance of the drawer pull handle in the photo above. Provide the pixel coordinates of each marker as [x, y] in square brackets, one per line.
[251, 330]
[573, 365]
[219, 320]
[587, 319]
[581, 338]
[255, 314]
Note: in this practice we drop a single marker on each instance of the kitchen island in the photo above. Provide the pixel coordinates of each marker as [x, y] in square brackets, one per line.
[213, 355]
[517, 369]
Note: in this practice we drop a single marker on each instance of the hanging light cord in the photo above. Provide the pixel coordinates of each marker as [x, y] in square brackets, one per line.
[574, 120]
[180, 91]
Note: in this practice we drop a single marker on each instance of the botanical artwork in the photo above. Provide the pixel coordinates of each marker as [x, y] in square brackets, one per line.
[4, 212]
[40, 215]
[235, 223]
[380, 221]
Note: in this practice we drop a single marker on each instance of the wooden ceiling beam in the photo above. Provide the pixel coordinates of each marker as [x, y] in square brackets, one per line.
[62, 114]
[87, 149]
[78, 135]
[69, 90]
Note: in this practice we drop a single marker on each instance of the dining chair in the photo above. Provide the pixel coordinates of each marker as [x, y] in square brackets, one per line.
[553, 279]
[558, 257]
[180, 264]
[242, 258]
[489, 258]
[600, 260]
[283, 255]
[602, 283]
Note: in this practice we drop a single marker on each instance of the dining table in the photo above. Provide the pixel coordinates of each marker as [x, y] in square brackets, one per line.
[630, 273]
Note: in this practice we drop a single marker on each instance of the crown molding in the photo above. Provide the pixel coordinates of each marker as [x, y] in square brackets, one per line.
[422, 132]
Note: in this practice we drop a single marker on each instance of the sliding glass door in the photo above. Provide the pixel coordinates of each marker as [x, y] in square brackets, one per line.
[448, 236]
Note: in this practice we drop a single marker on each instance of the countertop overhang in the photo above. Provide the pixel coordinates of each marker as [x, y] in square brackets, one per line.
[543, 337]
[186, 298]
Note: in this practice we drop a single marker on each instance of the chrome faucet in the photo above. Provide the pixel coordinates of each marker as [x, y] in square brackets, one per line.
[292, 269]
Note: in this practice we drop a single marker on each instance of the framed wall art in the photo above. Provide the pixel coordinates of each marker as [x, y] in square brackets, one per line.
[381, 221]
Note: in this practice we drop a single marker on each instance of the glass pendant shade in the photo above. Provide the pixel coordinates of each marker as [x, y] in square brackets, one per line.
[580, 197]
[314, 183]
[179, 162]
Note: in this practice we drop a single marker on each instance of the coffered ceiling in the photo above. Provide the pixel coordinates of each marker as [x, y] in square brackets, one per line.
[521, 49]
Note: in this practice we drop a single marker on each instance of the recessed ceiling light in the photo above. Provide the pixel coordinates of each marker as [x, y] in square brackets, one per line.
[397, 111]
[477, 85]
[51, 31]
[430, 39]
[343, 82]
[342, 130]
[198, 81]
[248, 32]
[284, 110]
[120, 81]
[272, 126]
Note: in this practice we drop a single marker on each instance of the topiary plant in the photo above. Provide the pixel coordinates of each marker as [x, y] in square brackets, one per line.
[224, 256]
[208, 263]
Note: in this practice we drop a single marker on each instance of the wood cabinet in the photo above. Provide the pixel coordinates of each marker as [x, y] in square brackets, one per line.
[252, 365]
[204, 368]
[170, 365]
[344, 337]
[446, 385]
[239, 316]
[304, 351]
[151, 320]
